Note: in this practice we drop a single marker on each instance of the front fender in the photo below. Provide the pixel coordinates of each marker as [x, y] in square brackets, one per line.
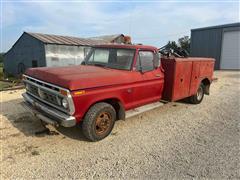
[84, 101]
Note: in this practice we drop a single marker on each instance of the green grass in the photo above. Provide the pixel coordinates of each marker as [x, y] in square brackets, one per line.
[9, 77]
[12, 80]
[1, 72]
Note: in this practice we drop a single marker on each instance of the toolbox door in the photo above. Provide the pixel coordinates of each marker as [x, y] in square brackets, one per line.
[182, 80]
[194, 78]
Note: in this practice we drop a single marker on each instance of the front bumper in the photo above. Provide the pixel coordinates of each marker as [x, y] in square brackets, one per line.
[47, 113]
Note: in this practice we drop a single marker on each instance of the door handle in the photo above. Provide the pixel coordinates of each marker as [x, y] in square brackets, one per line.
[158, 75]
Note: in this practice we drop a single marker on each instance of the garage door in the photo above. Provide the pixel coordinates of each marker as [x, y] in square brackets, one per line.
[230, 56]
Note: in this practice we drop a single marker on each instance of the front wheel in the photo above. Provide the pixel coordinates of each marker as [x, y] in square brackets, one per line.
[198, 97]
[99, 121]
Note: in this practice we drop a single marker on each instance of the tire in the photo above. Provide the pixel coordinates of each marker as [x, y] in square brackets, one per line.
[99, 121]
[198, 97]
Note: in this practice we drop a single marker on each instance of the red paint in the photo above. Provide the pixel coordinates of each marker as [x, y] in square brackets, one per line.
[183, 76]
[80, 77]
[179, 79]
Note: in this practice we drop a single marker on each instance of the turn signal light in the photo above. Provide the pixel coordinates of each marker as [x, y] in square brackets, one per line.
[79, 92]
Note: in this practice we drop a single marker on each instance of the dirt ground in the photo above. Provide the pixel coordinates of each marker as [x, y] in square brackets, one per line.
[177, 140]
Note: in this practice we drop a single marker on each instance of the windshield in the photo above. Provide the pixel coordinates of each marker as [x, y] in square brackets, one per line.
[111, 58]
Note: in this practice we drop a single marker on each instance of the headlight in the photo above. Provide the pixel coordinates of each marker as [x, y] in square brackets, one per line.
[65, 103]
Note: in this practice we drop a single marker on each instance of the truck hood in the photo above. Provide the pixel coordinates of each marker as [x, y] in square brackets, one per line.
[80, 77]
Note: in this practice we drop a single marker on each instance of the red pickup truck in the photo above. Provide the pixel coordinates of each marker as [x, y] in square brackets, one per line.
[112, 80]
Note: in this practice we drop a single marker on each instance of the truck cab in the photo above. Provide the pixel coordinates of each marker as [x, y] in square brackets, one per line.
[141, 66]
[112, 80]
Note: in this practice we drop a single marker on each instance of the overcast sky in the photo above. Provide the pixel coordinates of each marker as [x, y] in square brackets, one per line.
[152, 23]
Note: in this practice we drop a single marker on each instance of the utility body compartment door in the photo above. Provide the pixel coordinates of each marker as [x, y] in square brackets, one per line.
[195, 81]
[182, 79]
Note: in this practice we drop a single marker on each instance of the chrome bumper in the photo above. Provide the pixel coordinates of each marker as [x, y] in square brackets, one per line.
[47, 113]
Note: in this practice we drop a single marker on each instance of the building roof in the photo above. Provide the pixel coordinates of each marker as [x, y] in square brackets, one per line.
[66, 40]
[127, 46]
[217, 27]
[108, 38]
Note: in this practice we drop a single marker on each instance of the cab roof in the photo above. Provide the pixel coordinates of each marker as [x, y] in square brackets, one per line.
[126, 46]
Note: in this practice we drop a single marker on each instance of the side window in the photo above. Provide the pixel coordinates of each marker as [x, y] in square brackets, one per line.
[124, 58]
[145, 61]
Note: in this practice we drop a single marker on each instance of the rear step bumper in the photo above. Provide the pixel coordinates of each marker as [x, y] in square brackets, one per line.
[47, 113]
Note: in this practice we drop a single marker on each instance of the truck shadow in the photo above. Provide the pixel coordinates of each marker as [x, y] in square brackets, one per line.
[25, 122]
[184, 101]
[15, 114]
[72, 132]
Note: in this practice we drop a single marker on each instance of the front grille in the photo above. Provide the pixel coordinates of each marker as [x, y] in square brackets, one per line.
[43, 84]
[49, 94]
[40, 90]
[50, 97]
[33, 89]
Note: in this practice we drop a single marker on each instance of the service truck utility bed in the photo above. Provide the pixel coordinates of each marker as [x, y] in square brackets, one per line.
[183, 76]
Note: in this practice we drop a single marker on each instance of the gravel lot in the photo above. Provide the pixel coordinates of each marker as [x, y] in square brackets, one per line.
[177, 140]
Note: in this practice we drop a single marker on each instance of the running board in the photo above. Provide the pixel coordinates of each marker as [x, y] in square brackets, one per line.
[143, 109]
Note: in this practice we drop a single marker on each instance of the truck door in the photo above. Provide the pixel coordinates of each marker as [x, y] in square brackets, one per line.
[150, 85]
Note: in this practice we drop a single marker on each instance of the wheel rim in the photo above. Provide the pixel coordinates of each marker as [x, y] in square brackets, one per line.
[199, 93]
[103, 123]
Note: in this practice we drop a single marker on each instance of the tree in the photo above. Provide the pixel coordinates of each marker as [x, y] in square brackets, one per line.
[184, 43]
[171, 45]
[181, 49]
[1, 57]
